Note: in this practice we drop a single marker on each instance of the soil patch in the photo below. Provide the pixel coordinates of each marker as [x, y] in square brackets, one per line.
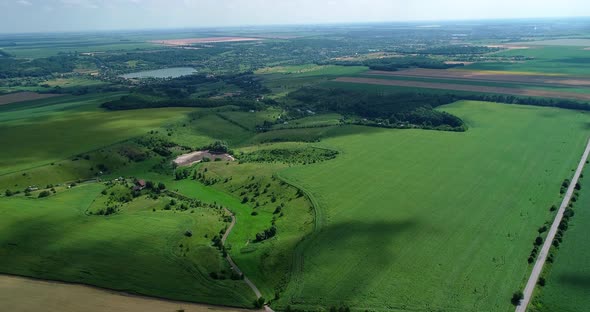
[31, 295]
[469, 88]
[198, 156]
[487, 76]
[24, 96]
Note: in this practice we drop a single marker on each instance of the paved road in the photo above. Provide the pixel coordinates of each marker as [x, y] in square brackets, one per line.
[538, 268]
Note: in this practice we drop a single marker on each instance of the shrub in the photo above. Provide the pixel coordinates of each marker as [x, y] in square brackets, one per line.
[44, 194]
[8, 193]
[517, 297]
[542, 229]
[259, 303]
[188, 233]
[541, 281]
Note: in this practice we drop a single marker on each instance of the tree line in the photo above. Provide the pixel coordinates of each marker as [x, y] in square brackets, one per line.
[387, 109]
[128, 102]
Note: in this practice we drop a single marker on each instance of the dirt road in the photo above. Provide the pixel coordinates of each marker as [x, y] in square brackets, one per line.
[32, 295]
[538, 268]
[467, 87]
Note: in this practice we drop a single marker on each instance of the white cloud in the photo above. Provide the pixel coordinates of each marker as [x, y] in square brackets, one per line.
[24, 2]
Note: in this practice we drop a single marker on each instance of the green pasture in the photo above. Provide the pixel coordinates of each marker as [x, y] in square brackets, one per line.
[430, 220]
[321, 120]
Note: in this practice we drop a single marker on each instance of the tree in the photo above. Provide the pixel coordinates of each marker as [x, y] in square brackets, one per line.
[161, 186]
[8, 193]
[538, 240]
[259, 303]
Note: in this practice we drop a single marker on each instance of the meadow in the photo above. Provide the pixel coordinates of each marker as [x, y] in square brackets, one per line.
[447, 219]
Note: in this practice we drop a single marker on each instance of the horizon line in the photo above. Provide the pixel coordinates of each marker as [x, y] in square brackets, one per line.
[279, 25]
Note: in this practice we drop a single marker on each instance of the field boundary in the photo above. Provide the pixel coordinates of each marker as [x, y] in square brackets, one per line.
[538, 268]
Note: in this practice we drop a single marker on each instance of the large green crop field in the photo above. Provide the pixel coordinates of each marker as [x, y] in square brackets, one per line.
[427, 220]
[568, 279]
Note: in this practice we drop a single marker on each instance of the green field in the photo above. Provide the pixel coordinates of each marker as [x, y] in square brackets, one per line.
[568, 279]
[447, 219]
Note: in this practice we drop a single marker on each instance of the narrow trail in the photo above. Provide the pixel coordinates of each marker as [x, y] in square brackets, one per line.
[538, 268]
[233, 264]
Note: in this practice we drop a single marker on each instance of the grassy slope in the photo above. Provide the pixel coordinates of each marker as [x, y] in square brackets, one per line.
[40, 133]
[435, 220]
[568, 280]
[136, 250]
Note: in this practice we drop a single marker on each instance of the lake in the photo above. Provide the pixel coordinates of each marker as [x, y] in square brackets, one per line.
[173, 72]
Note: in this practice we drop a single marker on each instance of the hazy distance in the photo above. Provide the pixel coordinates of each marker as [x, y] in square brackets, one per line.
[76, 15]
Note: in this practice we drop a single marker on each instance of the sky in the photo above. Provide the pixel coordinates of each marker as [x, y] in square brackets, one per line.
[83, 15]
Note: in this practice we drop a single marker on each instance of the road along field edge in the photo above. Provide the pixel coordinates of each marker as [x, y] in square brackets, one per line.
[538, 268]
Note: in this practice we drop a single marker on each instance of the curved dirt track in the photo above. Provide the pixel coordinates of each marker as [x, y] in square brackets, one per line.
[233, 264]
[30, 295]
[538, 268]
[231, 261]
